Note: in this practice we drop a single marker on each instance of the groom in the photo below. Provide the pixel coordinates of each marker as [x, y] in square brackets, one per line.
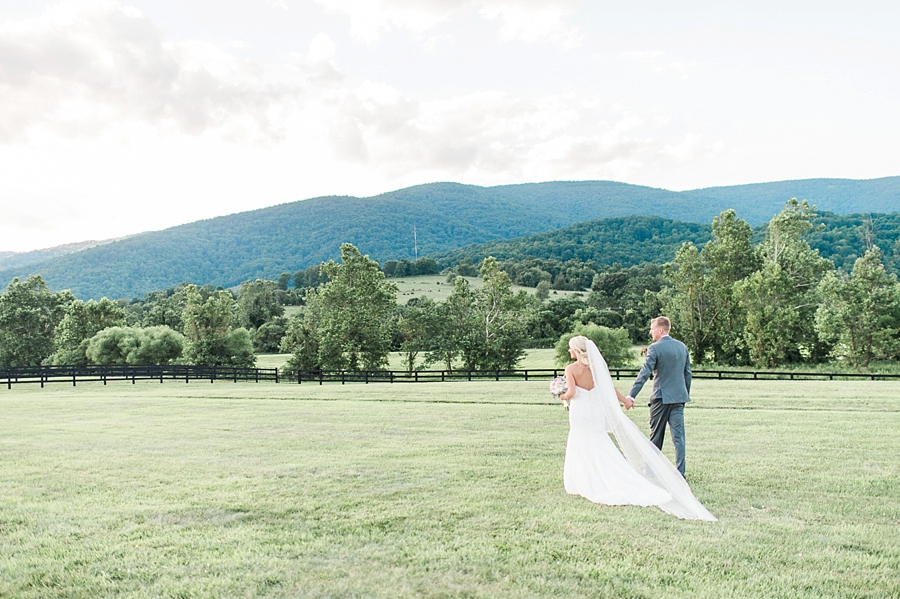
[669, 361]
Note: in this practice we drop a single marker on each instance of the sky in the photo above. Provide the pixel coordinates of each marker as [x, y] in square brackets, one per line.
[121, 116]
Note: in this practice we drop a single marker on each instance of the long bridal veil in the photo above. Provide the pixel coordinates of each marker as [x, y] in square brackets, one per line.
[640, 452]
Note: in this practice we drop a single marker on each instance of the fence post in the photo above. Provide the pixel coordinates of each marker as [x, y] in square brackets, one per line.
[276, 374]
[320, 377]
[366, 375]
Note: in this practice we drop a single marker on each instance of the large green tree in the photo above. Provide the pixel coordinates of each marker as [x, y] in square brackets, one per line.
[456, 335]
[166, 308]
[82, 321]
[685, 300]
[730, 257]
[267, 338]
[780, 299]
[347, 321]
[420, 324]
[614, 344]
[133, 346]
[501, 322]
[860, 313]
[258, 303]
[210, 327]
[29, 315]
[701, 301]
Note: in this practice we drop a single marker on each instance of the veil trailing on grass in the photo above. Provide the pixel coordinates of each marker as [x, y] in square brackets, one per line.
[639, 451]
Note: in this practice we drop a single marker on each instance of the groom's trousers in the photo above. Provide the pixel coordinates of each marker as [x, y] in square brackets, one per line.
[673, 415]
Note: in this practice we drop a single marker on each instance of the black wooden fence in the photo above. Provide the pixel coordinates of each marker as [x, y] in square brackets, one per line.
[80, 374]
[533, 374]
[83, 374]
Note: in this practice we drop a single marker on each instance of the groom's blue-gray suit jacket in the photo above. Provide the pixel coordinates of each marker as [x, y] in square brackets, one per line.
[669, 361]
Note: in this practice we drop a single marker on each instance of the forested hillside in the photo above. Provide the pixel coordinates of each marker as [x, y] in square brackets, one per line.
[626, 240]
[263, 243]
[634, 240]
[841, 196]
[19, 259]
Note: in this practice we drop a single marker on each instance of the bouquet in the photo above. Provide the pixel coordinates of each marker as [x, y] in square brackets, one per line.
[558, 386]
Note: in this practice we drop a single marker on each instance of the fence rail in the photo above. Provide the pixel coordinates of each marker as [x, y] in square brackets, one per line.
[420, 376]
[79, 374]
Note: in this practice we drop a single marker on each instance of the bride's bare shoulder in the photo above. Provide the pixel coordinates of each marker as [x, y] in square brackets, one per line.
[575, 368]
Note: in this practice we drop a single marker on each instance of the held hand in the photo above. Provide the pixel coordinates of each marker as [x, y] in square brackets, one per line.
[629, 402]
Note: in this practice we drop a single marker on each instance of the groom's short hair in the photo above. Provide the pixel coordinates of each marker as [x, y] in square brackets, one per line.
[661, 322]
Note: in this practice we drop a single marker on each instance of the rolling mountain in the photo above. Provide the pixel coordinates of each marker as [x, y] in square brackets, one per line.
[9, 260]
[263, 243]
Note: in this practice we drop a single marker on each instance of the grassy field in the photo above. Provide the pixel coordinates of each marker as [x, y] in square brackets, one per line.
[437, 288]
[431, 490]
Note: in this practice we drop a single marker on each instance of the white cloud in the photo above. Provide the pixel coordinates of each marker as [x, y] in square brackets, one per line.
[691, 149]
[656, 61]
[370, 19]
[489, 136]
[95, 92]
[532, 21]
[85, 65]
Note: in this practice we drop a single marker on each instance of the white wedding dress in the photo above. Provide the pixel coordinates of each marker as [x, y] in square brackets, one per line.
[594, 467]
[635, 473]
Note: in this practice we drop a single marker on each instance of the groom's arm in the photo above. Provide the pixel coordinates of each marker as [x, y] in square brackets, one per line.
[687, 371]
[644, 374]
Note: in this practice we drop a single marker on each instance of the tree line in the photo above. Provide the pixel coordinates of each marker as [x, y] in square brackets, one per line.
[780, 302]
[764, 297]
[353, 322]
[188, 324]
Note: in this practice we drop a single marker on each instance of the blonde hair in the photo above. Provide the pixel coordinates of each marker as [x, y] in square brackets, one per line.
[662, 322]
[578, 344]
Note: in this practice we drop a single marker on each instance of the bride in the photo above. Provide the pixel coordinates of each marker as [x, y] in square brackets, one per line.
[595, 469]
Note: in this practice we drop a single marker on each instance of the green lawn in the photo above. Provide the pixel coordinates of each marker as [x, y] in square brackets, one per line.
[435, 490]
[437, 288]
